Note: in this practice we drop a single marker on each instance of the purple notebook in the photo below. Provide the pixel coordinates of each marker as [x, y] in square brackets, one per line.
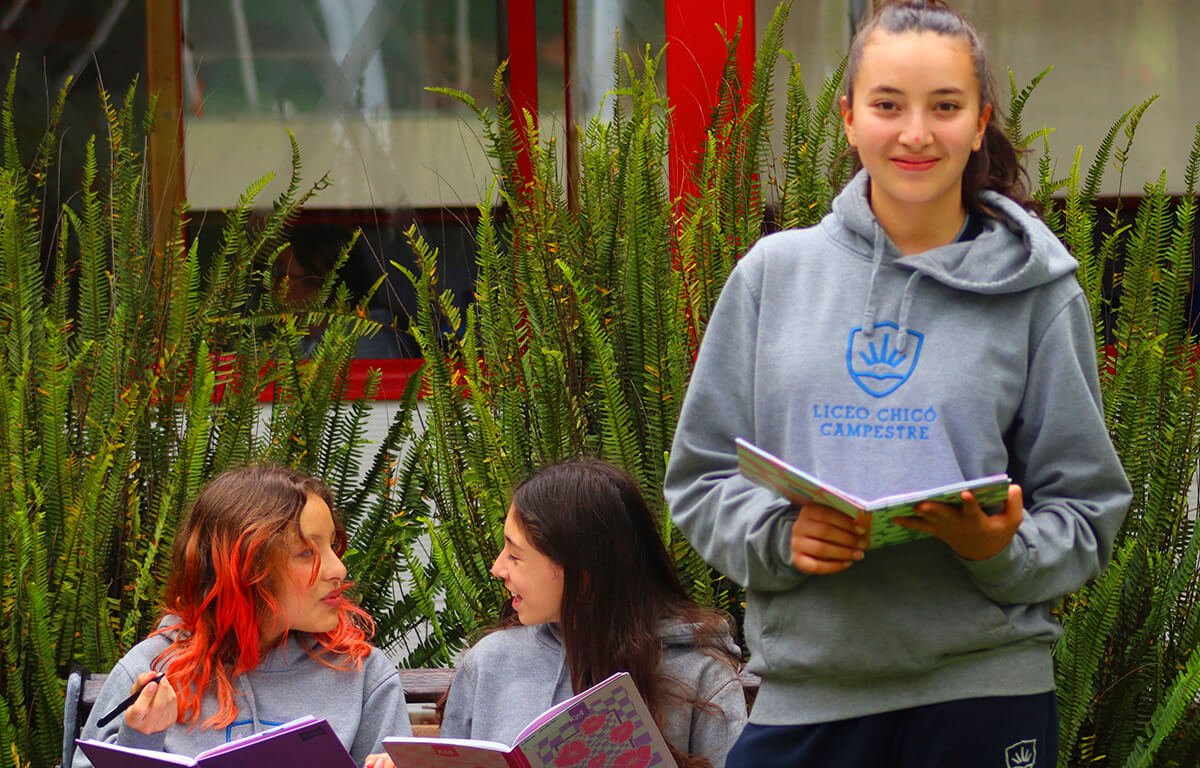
[307, 742]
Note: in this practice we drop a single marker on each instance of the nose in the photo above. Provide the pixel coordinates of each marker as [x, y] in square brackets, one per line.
[335, 569]
[497, 568]
[915, 132]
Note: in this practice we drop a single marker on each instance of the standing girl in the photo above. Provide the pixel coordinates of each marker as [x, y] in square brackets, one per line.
[595, 593]
[257, 630]
[929, 330]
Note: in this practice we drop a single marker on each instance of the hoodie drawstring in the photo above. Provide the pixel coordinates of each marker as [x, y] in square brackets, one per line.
[910, 288]
[868, 321]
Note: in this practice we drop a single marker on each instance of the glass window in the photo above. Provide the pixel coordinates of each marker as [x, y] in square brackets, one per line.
[640, 23]
[1108, 55]
[349, 78]
[93, 42]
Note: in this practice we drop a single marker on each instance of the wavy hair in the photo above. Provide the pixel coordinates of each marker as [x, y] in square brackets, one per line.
[996, 164]
[227, 566]
[619, 583]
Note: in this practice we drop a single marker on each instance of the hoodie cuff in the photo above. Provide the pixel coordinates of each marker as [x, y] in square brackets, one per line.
[1003, 567]
[781, 539]
[128, 737]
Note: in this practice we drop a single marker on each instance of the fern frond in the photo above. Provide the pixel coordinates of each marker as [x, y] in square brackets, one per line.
[1016, 107]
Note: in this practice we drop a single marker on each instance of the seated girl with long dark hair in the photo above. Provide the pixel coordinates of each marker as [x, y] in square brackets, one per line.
[256, 631]
[594, 593]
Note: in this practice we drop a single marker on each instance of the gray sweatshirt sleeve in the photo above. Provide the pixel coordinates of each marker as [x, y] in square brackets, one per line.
[714, 731]
[737, 527]
[384, 710]
[115, 689]
[1076, 493]
[456, 719]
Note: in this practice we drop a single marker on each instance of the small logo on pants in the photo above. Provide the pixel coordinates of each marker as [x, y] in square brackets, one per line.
[1023, 754]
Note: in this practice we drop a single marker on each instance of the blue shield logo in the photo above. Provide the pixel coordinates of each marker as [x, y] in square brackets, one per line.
[875, 363]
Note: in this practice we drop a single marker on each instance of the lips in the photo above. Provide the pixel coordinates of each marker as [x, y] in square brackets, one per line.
[333, 598]
[914, 163]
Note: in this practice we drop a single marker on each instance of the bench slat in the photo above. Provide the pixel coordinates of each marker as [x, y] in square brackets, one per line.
[426, 685]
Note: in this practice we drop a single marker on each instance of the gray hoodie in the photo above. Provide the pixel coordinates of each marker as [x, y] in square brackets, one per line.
[882, 374]
[362, 706]
[511, 676]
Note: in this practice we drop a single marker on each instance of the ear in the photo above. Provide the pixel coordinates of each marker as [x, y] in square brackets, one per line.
[984, 116]
[848, 120]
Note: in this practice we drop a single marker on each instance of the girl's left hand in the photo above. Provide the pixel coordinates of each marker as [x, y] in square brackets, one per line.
[379, 760]
[970, 532]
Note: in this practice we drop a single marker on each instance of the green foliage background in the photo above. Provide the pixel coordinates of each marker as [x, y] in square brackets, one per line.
[581, 339]
[586, 319]
[127, 379]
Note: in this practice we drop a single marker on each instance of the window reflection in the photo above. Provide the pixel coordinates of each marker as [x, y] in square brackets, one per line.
[349, 78]
[639, 23]
[1108, 55]
[291, 57]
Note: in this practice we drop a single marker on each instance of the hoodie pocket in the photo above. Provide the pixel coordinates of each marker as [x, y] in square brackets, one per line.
[897, 615]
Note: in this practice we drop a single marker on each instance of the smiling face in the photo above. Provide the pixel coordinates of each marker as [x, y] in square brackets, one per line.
[915, 117]
[305, 604]
[534, 580]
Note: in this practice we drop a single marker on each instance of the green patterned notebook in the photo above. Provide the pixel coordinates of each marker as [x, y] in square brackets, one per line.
[798, 487]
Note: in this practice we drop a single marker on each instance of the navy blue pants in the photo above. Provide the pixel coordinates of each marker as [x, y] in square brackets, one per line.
[994, 732]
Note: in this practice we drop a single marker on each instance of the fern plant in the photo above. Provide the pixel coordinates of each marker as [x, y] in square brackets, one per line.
[1128, 665]
[128, 378]
[125, 387]
[582, 335]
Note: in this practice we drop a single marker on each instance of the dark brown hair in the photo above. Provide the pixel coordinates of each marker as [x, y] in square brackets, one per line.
[619, 582]
[996, 164]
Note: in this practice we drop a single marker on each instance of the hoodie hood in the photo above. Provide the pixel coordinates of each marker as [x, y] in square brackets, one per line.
[1011, 254]
[685, 635]
[672, 633]
[296, 646]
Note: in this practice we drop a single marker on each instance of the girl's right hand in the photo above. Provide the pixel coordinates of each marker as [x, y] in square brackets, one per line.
[156, 709]
[379, 760]
[826, 541]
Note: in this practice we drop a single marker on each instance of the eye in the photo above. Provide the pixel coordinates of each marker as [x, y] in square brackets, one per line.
[947, 106]
[305, 554]
[885, 105]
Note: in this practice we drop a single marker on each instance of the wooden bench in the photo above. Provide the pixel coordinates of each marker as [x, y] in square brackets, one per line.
[423, 687]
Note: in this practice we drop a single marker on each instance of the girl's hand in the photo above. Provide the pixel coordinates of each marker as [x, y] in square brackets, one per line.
[380, 760]
[156, 709]
[971, 533]
[826, 541]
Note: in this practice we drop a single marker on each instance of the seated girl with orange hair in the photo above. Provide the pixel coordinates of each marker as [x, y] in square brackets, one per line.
[257, 630]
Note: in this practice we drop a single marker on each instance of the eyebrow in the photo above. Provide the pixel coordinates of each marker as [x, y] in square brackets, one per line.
[891, 89]
[318, 536]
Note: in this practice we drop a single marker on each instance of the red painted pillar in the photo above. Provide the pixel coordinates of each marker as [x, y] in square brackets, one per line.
[696, 52]
[522, 73]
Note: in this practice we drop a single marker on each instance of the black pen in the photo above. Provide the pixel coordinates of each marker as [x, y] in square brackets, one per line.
[127, 703]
